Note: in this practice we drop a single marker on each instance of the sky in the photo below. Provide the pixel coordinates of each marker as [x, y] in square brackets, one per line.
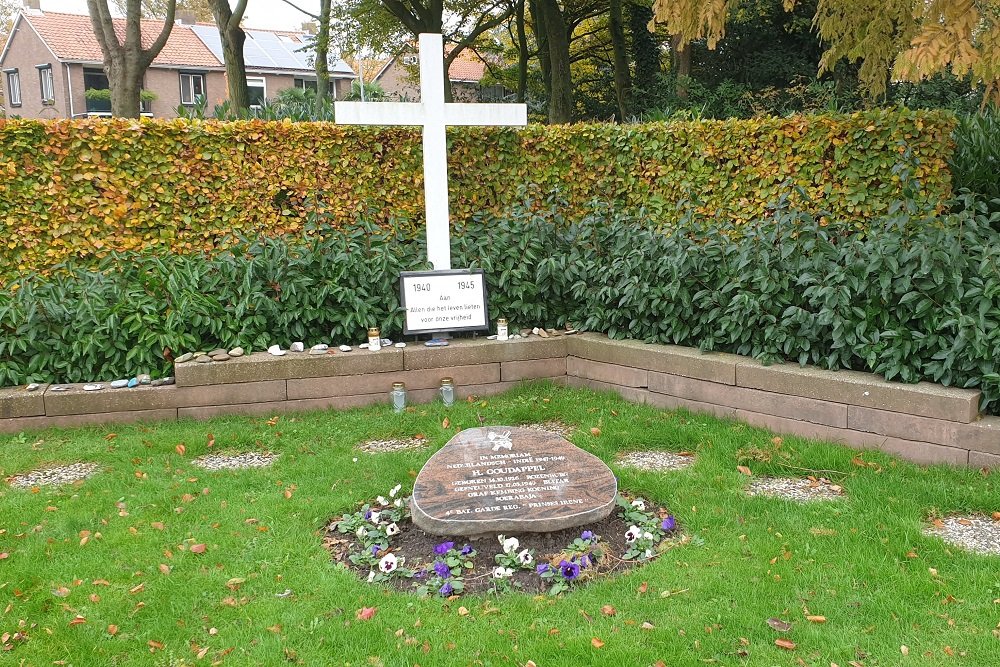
[273, 14]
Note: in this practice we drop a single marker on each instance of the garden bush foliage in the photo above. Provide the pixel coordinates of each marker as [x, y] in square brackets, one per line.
[915, 298]
[85, 188]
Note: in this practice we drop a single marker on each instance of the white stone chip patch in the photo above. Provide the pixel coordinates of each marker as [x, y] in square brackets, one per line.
[799, 489]
[980, 534]
[235, 461]
[655, 460]
[53, 476]
[552, 426]
[391, 445]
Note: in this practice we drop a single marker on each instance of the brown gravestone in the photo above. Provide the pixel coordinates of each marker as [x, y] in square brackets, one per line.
[503, 479]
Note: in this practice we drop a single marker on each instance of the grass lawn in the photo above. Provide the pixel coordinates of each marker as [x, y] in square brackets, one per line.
[861, 562]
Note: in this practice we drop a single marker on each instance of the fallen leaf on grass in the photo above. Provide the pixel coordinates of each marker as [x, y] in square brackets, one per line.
[786, 644]
[112, 629]
[595, 431]
[744, 470]
[446, 423]
[996, 516]
[137, 589]
[95, 598]
[154, 646]
[904, 649]
[779, 625]
[938, 523]
[366, 613]
[101, 582]
[4, 555]
[912, 554]
[276, 628]
[462, 611]
[180, 449]
[648, 626]
[211, 440]
[608, 610]
[816, 619]
[596, 643]
[60, 592]
[235, 583]
[78, 620]
[643, 587]
[158, 525]
[198, 548]
[164, 568]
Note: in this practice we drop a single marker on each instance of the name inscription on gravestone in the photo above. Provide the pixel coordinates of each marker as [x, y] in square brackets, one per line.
[510, 479]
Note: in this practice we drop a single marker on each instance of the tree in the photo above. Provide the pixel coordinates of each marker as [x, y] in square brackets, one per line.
[321, 49]
[126, 62]
[623, 75]
[157, 9]
[901, 39]
[232, 37]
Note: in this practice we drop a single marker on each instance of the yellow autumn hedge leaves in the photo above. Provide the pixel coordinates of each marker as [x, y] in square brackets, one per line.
[79, 189]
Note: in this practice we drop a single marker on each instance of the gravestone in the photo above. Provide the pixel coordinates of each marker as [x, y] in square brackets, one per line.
[502, 479]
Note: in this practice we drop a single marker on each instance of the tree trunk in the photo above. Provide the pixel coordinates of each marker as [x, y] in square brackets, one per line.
[522, 53]
[232, 37]
[125, 83]
[645, 54]
[681, 53]
[623, 78]
[322, 54]
[542, 46]
[561, 96]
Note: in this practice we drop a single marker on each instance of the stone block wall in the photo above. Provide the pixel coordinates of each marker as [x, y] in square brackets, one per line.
[926, 423]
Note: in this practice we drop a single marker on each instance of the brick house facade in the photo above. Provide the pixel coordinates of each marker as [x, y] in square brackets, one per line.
[51, 58]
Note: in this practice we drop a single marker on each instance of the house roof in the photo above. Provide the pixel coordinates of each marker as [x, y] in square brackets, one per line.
[466, 67]
[71, 38]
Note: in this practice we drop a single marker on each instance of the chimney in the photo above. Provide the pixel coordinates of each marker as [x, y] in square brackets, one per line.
[309, 27]
[186, 17]
[33, 7]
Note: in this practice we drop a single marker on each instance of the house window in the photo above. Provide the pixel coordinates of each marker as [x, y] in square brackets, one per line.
[95, 79]
[257, 89]
[192, 87]
[306, 84]
[46, 84]
[13, 88]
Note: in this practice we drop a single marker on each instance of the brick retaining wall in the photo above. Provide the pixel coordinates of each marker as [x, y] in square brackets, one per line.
[924, 422]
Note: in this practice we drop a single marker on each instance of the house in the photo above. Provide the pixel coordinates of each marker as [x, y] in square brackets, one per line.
[399, 77]
[51, 59]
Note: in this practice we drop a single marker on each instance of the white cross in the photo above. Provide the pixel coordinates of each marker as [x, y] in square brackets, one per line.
[434, 115]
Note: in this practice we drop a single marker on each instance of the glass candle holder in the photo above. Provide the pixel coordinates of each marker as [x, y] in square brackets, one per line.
[398, 396]
[374, 339]
[447, 392]
[502, 333]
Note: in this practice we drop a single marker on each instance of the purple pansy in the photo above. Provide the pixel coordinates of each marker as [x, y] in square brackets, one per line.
[375, 549]
[542, 568]
[584, 561]
[586, 535]
[368, 515]
[420, 574]
[669, 523]
[443, 548]
[447, 589]
[442, 569]
[570, 570]
[467, 549]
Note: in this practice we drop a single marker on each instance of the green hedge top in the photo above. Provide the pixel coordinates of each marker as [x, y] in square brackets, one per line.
[81, 188]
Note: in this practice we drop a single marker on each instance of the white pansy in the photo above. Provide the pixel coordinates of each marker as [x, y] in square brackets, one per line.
[501, 572]
[392, 529]
[510, 545]
[639, 504]
[525, 558]
[647, 536]
[398, 502]
[395, 490]
[381, 500]
[649, 554]
[375, 517]
[360, 532]
[388, 563]
[632, 534]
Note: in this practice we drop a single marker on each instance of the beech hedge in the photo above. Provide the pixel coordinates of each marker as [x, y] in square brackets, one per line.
[917, 297]
[81, 189]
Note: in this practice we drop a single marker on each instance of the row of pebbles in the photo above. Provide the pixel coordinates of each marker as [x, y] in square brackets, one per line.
[654, 460]
[977, 533]
[400, 444]
[801, 489]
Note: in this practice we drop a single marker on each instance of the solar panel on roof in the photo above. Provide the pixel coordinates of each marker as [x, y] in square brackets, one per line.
[275, 50]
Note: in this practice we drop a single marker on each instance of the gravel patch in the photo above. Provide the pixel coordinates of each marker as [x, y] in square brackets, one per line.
[801, 489]
[55, 475]
[980, 534]
[235, 461]
[391, 445]
[552, 426]
[653, 460]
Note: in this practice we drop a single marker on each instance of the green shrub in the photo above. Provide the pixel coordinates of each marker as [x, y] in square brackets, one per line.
[915, 298]
[975, 165]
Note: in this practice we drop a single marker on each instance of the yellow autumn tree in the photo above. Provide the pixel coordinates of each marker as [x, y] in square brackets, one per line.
[892, 39]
